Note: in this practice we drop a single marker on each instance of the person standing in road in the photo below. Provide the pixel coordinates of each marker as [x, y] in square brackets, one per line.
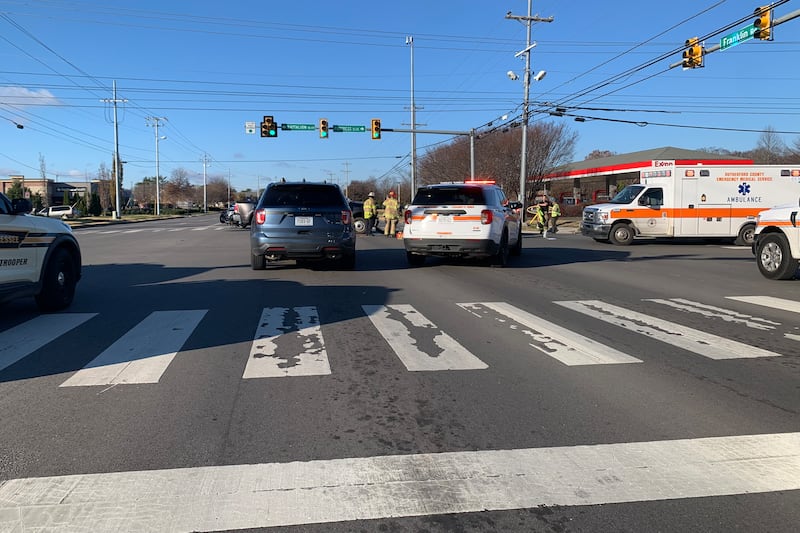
[555, 212]
[370, 213]
[391, 213]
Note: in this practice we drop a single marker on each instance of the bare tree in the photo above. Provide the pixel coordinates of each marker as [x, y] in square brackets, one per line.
[770, 148]
[599, 154]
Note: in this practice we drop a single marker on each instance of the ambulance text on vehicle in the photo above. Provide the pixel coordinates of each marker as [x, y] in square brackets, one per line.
[692, 201]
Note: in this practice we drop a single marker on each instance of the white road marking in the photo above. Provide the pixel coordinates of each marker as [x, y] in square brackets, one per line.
[24, 339]
[288, 342]
[419, 344]
[555, 341]
[699, 342]
[717, 312]
[769, 301]
[143, 353]
[216, 498]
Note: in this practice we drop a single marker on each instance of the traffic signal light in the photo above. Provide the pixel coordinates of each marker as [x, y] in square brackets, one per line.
[763, 23]
[268, 127]
[376, 128]
[323, 128]
[693, 55]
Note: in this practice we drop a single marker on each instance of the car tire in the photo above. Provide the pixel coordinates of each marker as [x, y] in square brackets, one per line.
[500, 259]
[621, 234]
[58, 281]
[415, 260]
[516, 250]
[774, 257]
[360, 225]
[747, 235]
[258, 262]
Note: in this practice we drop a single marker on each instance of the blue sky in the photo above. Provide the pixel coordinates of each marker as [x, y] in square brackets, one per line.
[210, 67]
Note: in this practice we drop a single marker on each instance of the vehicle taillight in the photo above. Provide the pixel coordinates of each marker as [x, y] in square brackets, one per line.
[407, 216]
[345, 217]
[235, 208]
[486, 216]
[261, 216]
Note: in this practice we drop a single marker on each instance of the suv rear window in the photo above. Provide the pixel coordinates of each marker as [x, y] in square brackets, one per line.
[302, 195]
[450, 196]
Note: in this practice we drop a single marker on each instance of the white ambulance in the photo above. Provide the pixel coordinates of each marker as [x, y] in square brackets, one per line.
[692, 201]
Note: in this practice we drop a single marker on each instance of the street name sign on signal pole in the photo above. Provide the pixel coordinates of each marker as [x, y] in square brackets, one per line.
[739, 36]
[349, 129]
[298, 127]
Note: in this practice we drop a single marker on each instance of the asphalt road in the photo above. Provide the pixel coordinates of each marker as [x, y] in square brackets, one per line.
[586, 387]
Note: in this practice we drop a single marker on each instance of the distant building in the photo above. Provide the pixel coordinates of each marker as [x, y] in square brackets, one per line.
[595, 180]
[52, 192]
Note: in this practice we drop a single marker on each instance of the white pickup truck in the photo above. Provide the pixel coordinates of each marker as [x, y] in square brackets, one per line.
[777, 241]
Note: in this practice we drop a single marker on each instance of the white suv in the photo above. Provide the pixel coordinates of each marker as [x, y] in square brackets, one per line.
[469, 219]
[39, 257]
[777, 241]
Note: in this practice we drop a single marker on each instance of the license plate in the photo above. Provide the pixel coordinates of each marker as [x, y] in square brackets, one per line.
[303, 221]
[445, 219]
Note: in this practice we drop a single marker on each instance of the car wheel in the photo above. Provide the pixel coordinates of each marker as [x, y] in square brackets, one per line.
[774, 257]
[621, 234]
[500, 259]
[747, 235]
[516, 250]
[415, 260]
[360, 225]
[258, 262]
[59, 281]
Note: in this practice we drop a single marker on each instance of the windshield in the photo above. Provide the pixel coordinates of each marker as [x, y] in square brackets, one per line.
[456, 195]
[627, 195]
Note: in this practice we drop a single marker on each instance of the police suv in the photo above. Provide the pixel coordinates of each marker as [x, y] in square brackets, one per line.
[39, 256]
[468, 219]
[777, 241]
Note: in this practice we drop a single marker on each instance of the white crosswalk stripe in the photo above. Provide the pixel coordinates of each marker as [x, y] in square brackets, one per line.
[699, 342]
[553, 340]
[143, 354]
[288, 342]
[419, 344]
[23, 340]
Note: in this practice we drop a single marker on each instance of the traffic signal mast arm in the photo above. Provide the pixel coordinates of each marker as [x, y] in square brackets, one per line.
[774, 23]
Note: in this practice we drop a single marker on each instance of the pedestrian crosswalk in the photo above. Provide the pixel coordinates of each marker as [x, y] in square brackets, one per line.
[290, 341]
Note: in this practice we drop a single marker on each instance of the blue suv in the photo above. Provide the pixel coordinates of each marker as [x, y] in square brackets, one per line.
[302, 221]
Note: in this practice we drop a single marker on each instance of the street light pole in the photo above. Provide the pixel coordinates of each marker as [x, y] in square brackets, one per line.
[526, 82]
[155, 121]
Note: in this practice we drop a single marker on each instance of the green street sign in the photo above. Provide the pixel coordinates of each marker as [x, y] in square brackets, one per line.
[349, 129]
[298, 127]
[739, 36]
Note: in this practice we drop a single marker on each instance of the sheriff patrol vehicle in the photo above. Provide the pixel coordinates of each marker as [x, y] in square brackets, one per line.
[39, 257]
[777, 241]
[467, 219]
[692, 201]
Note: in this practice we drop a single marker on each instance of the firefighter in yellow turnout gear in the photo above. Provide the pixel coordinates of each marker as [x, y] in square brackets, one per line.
[391, 213]
[370, 213]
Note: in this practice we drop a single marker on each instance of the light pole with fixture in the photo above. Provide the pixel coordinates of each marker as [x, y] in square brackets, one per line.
[156, 121]
[526, 81]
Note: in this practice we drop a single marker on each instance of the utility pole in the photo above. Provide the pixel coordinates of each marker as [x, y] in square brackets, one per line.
[117, 180]
[205, 161]
[410, 43]
[527, 20]
[154, 121]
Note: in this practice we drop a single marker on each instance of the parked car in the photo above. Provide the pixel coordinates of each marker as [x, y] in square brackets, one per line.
[39, 257]
[302, 221]
[359, 222]
[226, 215]
[59, 211]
